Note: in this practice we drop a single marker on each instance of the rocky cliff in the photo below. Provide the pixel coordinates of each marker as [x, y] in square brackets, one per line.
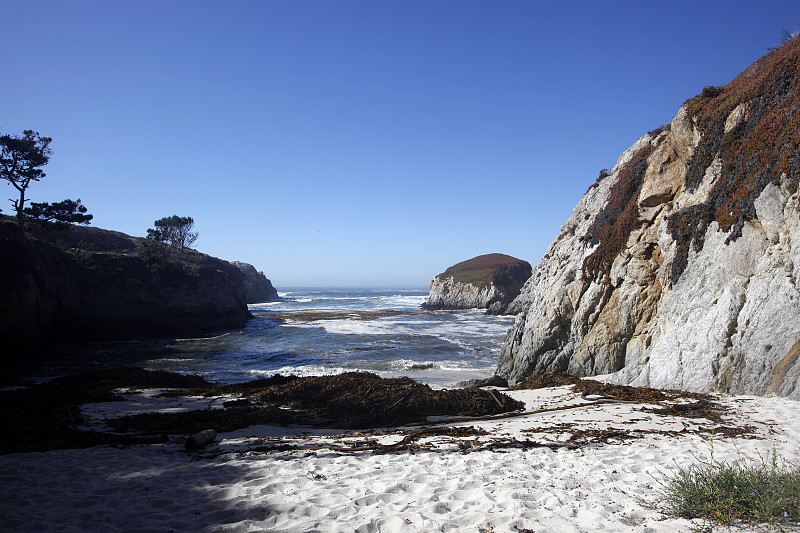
[257, 288]
[679, 268]
[489, 282]
[91, 284]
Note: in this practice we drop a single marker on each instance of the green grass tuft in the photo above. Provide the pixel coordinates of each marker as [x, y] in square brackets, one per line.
[766, 490]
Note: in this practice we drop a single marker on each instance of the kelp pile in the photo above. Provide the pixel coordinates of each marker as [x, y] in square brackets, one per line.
[666, 402]
[48, 416]
[354, 400]
[543, 381]
[590, 387]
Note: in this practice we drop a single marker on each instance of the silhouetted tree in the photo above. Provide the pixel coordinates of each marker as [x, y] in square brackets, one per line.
[21, 159]
[175, 232]
[61, 213]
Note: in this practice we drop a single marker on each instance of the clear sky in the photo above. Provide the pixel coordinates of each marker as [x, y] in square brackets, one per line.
[356, 143]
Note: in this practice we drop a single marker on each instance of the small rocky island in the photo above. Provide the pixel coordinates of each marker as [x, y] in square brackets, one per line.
[488, 282]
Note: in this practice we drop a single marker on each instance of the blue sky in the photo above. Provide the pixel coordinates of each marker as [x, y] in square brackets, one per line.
[357, 143]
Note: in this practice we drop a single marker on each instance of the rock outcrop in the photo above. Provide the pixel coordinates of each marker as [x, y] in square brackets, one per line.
[257, 288]
[679, 269]
[488, 282]
[88, 284]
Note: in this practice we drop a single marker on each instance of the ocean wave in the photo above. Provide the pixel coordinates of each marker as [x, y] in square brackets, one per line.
[408, 364]
[193, 339]
[462, 333]
[299, 370]
[405, 299]
[420, 370]
[358, 327]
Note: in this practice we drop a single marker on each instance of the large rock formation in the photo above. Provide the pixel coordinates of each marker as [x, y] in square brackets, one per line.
[680, 267]
[257, 288]
[91, 284]
[489, 282]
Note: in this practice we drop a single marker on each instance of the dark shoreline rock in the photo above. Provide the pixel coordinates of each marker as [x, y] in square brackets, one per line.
[89, 284]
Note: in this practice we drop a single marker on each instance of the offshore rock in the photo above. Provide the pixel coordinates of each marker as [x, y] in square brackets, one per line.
[679, 269]
[257, 288]
[488, 282]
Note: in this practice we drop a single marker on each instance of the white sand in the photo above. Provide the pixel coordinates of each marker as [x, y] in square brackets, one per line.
[330, 483]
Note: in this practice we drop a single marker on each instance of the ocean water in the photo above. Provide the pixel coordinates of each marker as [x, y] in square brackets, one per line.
[329, 331]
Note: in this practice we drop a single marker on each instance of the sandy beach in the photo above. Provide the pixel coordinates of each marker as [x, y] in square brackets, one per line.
[571, 463]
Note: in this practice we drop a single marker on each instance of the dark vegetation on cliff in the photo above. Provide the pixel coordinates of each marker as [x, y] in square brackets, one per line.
[89, 284]
[761, 149]
[485, 270]
[764, 146]
[616, 220]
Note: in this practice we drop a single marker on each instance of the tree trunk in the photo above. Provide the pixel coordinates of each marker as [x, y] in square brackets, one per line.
[20, 215]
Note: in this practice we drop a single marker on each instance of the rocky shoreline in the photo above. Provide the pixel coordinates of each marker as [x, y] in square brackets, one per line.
[87, 284]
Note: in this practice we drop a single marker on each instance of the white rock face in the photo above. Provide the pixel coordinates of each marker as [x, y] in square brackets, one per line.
[490, 282]
[448, 294]
[731, 322]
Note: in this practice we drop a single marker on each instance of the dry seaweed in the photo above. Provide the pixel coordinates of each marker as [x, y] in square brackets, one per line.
[47, 416]
[354, 400]
[588, 387]
[245, 388]
[361, 400]
[701, 408]
[543, 381]
[187, 422]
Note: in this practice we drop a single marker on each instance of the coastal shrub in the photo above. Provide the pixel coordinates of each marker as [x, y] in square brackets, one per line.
[661, 129]
[604, 173]
[711, 91]
[786, 36]
[614, 223]
[763, 148]
[766, 490]
[688, 229]
[151, 252]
